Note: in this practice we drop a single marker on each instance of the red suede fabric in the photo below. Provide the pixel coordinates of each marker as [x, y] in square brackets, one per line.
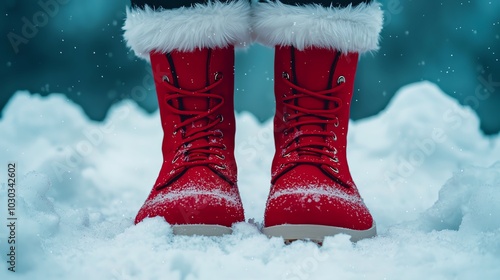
[197, 181]
[309, 187]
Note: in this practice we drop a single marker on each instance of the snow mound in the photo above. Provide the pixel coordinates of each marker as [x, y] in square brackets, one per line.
[468, 202]
[430, 177]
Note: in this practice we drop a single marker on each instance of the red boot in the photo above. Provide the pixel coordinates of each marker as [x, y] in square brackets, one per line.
[193, 69]
[312, 193]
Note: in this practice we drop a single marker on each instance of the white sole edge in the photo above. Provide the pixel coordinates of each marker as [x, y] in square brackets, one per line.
[316, 233]
[203, 230]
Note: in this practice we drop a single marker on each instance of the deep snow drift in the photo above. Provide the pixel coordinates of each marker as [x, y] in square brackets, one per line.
[429, 176]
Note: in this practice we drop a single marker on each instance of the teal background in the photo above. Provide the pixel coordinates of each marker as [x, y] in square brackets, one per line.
[78, 50]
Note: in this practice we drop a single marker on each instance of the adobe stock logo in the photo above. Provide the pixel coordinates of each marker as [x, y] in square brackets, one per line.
[30, 28]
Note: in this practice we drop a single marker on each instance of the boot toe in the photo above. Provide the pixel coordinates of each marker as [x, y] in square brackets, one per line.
[198, 197]
[317, 206]
[305, 195]
[190, 208]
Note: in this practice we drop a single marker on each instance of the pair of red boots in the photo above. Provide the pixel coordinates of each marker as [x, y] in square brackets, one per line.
[316, 53]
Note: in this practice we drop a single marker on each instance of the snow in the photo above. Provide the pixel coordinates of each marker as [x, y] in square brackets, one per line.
[428, 174]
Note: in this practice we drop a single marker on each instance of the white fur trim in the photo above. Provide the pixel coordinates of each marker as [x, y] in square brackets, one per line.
[210, 25]
[349, 29]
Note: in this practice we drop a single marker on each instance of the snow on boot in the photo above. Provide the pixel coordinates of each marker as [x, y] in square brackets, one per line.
[316, 53]
[191, 51]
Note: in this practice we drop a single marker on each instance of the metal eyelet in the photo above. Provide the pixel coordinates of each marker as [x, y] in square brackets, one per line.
[220, 167]
[286, 155]
[177, 129]
[165, 78]
[334, 169]
[221, 134]
[285, 117]
[218, 76]
[337, 123]
[335, 159]
[340, 80]
[224, 147]
[334, 136]
[221, 118]
[221, 157]
[285, 75]
[175, 159]
[335, 151]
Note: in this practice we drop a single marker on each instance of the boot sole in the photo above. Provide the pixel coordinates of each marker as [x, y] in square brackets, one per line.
[203, 230]
[316, 233]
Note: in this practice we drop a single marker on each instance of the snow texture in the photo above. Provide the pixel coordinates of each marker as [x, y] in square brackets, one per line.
[429, 176]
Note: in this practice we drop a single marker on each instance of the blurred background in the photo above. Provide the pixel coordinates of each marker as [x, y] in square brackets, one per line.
[76, 48]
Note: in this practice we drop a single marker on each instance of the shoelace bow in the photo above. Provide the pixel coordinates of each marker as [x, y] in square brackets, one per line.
[199, 153]
[322, 117]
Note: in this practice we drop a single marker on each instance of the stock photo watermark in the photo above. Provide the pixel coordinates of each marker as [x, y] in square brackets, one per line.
[392, 8]
[74, 155]
[32, 25]
[306, 267]
[11, 221]
[453, 119]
